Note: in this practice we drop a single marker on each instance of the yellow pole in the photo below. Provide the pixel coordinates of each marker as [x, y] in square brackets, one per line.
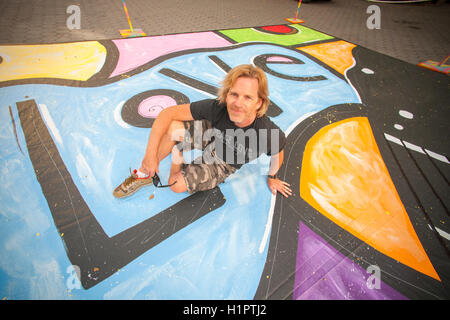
[128, 17]
[298, 7]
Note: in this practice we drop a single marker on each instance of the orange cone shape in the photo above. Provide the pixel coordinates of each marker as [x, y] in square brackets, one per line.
[344, 177]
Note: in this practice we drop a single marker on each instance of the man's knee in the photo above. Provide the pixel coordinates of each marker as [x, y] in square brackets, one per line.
[176, 130]
[179, 185]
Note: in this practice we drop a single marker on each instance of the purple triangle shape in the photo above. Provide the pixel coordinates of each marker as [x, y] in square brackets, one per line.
[323, 273]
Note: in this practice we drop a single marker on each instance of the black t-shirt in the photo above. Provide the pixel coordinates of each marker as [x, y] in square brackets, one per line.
[237, 146]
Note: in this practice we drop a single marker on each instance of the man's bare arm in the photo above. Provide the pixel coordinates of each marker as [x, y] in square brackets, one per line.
[276, 185]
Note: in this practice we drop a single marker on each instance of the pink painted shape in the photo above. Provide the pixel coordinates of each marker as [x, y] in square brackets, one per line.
[152, 106]
[278, 59]
[135, 52]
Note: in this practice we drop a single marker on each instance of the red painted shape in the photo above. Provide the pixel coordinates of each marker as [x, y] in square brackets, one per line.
[277, 29]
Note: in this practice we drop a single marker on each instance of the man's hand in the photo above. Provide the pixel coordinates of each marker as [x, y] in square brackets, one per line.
[276, 185]
[149, 166]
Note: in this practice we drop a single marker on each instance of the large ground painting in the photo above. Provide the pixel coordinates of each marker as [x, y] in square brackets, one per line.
[366, 158]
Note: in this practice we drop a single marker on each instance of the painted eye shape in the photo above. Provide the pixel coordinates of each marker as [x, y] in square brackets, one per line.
[152, 106]
[142, 109]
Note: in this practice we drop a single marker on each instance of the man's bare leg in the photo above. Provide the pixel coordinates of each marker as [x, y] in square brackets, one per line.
[174, 134]
[165, 147]
[175, 172]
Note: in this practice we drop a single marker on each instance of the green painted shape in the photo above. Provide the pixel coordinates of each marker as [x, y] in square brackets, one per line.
[249, 34]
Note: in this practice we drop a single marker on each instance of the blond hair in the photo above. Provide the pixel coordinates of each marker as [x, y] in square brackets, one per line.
[248, 71]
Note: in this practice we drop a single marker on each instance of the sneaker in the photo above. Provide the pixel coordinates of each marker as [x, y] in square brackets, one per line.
[131, 184]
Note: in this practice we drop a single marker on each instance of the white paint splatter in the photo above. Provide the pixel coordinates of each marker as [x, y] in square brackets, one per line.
[243, 185]
[393, 139]
[367, 71]
[443, 233]
[118, 117]
[85, 173]
[406, 114]
[412, 146]
[328, 207]
[297, 122]
[268, 224]
[416, 148]
[50, 124]
[437, 156]
[348, 80]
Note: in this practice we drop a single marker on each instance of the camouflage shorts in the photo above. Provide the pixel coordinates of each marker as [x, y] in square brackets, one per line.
[201, 176]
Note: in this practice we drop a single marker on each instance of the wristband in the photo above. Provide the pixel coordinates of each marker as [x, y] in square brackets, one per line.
[272, 177]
